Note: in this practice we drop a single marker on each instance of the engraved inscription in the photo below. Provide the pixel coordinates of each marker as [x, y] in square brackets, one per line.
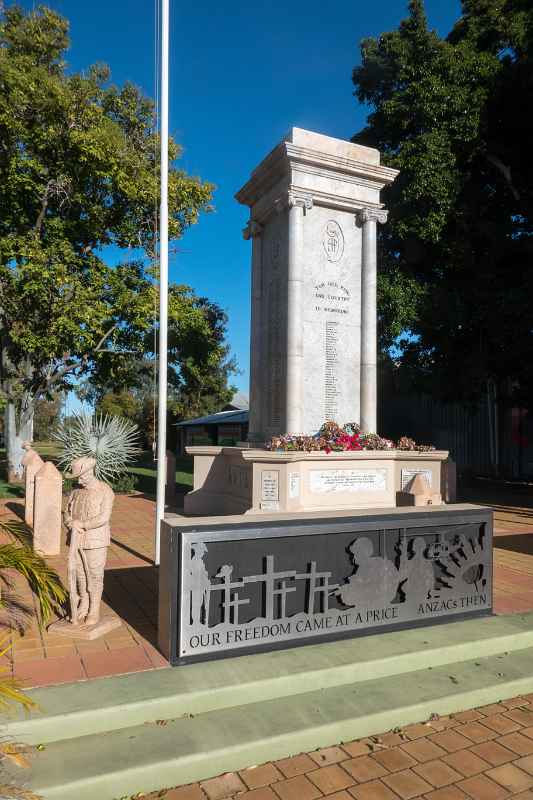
[332, 298]
[323, 481]
[270, 485]
[275, 251]
[333, 241]
[331, 381]
[294, 485]
[274, 353]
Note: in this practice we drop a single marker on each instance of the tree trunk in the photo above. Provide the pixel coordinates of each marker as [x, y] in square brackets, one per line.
[15, 436]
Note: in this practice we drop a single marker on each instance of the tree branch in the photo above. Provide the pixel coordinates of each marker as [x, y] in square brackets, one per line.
[104, 337]
[505, 171]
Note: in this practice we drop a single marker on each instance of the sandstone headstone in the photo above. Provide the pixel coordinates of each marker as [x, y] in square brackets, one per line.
[32, 463]
[47, 510]
[314, 204]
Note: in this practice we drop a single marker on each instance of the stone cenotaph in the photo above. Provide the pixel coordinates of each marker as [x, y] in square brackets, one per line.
[285, 547]
[314, 210]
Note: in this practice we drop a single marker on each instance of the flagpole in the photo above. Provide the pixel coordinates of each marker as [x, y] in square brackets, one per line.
[163, 285]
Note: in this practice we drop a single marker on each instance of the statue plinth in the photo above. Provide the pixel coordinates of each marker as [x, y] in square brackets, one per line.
[85, 632]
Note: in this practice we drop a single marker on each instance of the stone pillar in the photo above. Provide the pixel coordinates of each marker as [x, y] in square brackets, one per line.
[368, 219]
[256, 434]
[47, 510]
[32, 463]
[298, 206]
[170, 488]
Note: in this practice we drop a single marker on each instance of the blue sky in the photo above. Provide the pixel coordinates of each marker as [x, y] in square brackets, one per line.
[242, 74]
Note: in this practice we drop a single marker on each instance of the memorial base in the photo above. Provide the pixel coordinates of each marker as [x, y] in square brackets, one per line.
[242, 584]
[239, 480]
[85, 632]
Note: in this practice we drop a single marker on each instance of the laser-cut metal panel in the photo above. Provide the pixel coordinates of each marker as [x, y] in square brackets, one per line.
[252, 587]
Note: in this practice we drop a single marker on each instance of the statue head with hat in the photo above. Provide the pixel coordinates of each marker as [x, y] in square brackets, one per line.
[82, 469]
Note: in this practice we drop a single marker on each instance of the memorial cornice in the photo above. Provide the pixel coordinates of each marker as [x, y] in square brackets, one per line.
[278, 163]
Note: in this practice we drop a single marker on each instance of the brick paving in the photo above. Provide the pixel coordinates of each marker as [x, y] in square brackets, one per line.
[480, 754]
[40, 658]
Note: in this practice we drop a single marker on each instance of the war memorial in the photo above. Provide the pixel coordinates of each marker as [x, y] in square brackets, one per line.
[281, 546]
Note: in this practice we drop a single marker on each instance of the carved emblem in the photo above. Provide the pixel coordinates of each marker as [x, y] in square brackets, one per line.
[333, 241]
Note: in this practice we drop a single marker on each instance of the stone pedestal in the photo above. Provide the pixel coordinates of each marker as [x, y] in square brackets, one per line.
[314, 205]
[47, 510]
[233, 480]
[83, 632]
[32, 463]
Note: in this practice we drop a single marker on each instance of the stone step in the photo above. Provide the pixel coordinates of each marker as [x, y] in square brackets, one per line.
[152, 756]
[98, 706]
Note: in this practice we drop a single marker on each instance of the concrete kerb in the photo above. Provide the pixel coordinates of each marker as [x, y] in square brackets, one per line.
[188, 749]
[106, 704]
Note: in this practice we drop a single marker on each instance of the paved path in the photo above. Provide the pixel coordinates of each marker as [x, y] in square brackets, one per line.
[40, 658]
[484, 754]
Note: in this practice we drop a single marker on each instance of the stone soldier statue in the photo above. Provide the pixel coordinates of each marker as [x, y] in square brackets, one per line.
[87, 516]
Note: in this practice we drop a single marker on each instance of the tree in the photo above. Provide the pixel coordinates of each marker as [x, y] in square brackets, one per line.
[78, 172]
[46, 416]
[199, 367]
[451, 115]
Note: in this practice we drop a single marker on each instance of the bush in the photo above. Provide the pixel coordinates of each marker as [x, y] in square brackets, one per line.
[125, 483]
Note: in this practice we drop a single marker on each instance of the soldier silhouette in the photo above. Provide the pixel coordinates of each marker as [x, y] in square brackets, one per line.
[419, 573]
[375, 580]
[199, 585]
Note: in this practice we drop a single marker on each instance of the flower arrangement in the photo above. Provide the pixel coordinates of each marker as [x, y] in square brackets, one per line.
[333, 438]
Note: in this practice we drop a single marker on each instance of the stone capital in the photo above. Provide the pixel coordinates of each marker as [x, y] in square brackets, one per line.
[292, 200]
[252, 230]
[371, 215]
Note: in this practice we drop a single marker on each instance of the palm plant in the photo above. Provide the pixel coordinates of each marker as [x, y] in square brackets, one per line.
[17, 558]
[112, 441]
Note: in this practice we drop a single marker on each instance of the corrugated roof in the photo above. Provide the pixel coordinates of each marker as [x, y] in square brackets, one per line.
[217, 419]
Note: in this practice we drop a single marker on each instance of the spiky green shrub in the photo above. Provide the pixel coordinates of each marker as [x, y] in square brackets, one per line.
[112, 441]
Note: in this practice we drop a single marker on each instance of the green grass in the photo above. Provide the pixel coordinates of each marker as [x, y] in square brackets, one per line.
[145, 470]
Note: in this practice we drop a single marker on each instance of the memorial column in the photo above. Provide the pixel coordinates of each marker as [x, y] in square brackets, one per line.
[368, 218]
[253, 231]
[298, 205]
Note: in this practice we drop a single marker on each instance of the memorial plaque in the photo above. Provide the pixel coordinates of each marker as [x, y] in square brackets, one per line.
[347, 480]
[294, 485]
[270, 485]
[409, 474]
[226, 590]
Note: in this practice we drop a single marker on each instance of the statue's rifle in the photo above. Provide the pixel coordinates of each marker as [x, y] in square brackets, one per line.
[72, 568]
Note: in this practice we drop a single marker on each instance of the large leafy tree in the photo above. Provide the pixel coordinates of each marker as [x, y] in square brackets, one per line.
[78, 172]
[200, 366]
[453, 115]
